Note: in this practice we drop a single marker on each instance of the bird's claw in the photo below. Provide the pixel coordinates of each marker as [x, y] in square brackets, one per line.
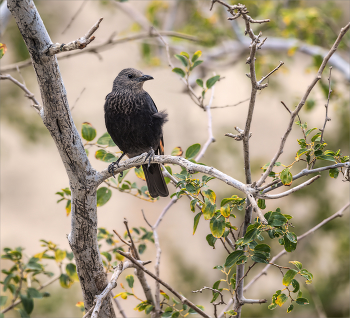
[150, 157]
[111, 167]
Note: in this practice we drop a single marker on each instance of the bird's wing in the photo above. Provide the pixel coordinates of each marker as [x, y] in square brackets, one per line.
[150, 103]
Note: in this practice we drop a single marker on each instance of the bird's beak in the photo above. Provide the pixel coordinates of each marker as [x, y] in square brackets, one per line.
[144, 78]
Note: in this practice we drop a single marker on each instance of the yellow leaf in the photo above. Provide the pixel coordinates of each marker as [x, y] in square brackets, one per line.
[60, 255]
[3, 49]
[225, 210]
[139, 173]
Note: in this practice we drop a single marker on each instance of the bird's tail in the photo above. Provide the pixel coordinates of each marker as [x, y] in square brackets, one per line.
[155, 180]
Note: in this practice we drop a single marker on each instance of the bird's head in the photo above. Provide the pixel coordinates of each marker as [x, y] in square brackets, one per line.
[130, 78]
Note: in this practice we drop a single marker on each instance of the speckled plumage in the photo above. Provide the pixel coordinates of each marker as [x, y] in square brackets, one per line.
[135, 125]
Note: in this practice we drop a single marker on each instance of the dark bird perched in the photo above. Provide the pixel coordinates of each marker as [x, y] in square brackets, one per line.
[135, 125]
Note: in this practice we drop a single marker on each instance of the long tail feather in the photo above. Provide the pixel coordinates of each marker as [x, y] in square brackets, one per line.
[155, 181]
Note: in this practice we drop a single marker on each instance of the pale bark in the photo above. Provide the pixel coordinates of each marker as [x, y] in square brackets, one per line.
[57, 118]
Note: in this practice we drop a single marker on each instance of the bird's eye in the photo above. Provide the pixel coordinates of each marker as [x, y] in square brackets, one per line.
[130, 76]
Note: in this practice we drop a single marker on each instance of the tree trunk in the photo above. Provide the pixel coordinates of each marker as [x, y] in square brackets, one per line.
[82, 177]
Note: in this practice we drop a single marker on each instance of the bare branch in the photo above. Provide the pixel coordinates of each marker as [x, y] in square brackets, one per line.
[233, 105]
[76, 101]
[210, 128]
[238, 137]
[302, 103]
[81, 43]
[329, 95]
[74, 16]
[182, 298]
[274, 70]
[112, 284]
[103, 46]
[283, 194]
[29, 94]
[302, 173]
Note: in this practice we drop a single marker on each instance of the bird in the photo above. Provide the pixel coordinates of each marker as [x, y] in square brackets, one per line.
[135, 125]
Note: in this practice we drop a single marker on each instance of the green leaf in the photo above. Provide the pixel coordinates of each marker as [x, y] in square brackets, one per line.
[71, 270]
[28, 303]
[302, 301]
[259, 258]
[297, 264]
[142, 248]
[177, 151]
[107, 255]
[289, 276]
[275, 218]
[182, 59]
[250, 235]
[130, 280]
[196, 64]
[225, 211]
[179, 71]
[208, 209]
[231, 313]
[261, 204]
[281, 299]
[233, 258]
[65, 281]
[272, 306]
[3, 300]
[175, 314]
[217, 226]
[34, 293]
[289, 246]
[301, 152]
[106, 140]
[211, 240]
[327, 157]
[196, 56]
[148, 309]
[333, 173]
[60, 255]
[140, 173]
[192, 151]
[68, 207]
[263, 249]
[105, 156]
[291, 237]
[103, 195]
[210, 194]
[211, 81]
[199, 81]
[196, 221]
[290, 308]
[309, 131]
[286, 177]
[185, 54]
[33, 264]
[295, 285]
[317, 137]
[88, 132]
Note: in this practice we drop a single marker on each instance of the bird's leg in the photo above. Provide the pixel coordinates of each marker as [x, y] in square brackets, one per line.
[115, 163]
[150, 156]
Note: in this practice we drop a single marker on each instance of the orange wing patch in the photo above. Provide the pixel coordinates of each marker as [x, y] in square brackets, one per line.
[161, 147]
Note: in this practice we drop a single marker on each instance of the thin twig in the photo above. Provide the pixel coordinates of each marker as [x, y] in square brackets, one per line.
[29, 94]
[117, 303]
[74, 16]
[80, 43]
[329, 95]
[274, 70]
[302, 103]
[210, 126]
[239, 103]
[283, 194]
[182, 298]
[81, 93]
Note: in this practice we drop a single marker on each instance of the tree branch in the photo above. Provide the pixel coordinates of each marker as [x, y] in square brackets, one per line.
[302, 173]
[29, 94]
[329, 95]
[182, 298]
[80, 44]
[283, 194]
[302, 103]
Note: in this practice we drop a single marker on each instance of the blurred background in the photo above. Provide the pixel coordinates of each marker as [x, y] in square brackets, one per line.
[32, 171]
